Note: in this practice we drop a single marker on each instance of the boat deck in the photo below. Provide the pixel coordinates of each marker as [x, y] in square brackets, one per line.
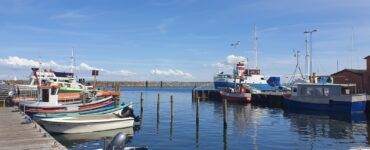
[15, 133]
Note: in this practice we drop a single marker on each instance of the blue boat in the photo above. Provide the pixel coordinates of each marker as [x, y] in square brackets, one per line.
[325, 97]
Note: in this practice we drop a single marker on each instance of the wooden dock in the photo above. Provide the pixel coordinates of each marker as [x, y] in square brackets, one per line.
[18, 133]
[205, 93]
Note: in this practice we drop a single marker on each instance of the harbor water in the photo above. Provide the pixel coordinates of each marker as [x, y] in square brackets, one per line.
[248, 126]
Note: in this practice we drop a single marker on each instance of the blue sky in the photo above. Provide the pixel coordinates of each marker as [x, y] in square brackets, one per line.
[178, 39]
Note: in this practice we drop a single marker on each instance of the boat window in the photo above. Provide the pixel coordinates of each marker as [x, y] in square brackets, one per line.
[346, 91]
[294, 89]
[326, 92]
[53, 91]
[318, 91]
[45, 95]
[309, 91]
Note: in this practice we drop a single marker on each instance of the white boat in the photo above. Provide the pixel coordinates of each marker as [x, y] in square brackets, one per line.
[87, 123]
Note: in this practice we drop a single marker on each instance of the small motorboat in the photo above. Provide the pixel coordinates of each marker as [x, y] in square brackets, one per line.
[238, 94]
[103, 110]
[90, 123]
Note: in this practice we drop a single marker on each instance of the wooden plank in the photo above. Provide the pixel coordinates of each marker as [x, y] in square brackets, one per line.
[17, 135]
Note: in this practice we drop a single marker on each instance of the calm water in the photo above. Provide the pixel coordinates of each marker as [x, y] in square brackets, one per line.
[249, 127]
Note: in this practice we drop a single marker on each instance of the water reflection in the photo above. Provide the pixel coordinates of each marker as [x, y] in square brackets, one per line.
[312, 125]
[249, 126]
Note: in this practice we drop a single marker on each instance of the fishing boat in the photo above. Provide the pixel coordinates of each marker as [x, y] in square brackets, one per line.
[239, 94]
[223, 81]
[48, 102]
[87, 123]
[325, 97]
[65, 80]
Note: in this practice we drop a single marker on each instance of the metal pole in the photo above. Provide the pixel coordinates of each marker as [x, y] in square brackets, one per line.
[307, 55]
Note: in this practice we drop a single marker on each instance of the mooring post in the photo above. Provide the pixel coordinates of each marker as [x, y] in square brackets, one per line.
[141, 101]
[197, 112]
[225, 112]
[197, 123]
[171, 101]
[171, 121]
[158, 112]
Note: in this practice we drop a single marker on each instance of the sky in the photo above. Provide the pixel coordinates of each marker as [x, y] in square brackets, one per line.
[179, 40]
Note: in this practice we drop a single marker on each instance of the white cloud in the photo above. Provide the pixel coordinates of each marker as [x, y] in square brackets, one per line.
[230, 61]
[84, 66]
[125, 73]
[15, 61]
[24, 63]
[69, 15]
[171, 72]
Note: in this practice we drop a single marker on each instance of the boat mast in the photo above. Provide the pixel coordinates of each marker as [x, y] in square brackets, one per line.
[352, 49]
[255, 45]
[308, 34]
[73, 62]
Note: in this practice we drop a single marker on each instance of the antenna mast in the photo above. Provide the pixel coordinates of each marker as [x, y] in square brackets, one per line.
[255, 45]
[352, 49]
[297, 67]
[73, 61]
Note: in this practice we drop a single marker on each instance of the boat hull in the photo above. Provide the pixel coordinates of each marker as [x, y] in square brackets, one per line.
[237, 97]
[223, 84]
[331, 105]
[84, 127]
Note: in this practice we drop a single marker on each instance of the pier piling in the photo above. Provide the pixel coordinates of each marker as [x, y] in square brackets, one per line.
[171, 120]
[197, 122]
[225, 112]
[158, 99]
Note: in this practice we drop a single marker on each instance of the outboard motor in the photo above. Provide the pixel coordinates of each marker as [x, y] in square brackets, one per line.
[118, 142]
[127, 112]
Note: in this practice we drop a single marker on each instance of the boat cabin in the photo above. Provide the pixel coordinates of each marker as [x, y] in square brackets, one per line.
[48, 93]
[321, 90]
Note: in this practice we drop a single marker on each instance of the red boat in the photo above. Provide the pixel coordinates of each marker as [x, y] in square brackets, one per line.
[239, 94]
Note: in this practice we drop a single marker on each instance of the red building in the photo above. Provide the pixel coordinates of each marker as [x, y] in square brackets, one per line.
[357, 77]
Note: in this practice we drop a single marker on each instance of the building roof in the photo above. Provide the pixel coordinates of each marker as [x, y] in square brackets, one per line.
[355, 71]
[367, 57]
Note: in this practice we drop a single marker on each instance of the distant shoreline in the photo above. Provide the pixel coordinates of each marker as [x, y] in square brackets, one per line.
[135, 83]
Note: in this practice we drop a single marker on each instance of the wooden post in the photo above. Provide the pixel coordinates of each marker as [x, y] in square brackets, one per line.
[197, 123]
[158, 112]
[197, 112]
[141, 101]
[171, 101]
[225, 113]
[141, 107]
[171, 121]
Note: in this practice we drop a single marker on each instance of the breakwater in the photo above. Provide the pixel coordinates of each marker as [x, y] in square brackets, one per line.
[135, 83]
